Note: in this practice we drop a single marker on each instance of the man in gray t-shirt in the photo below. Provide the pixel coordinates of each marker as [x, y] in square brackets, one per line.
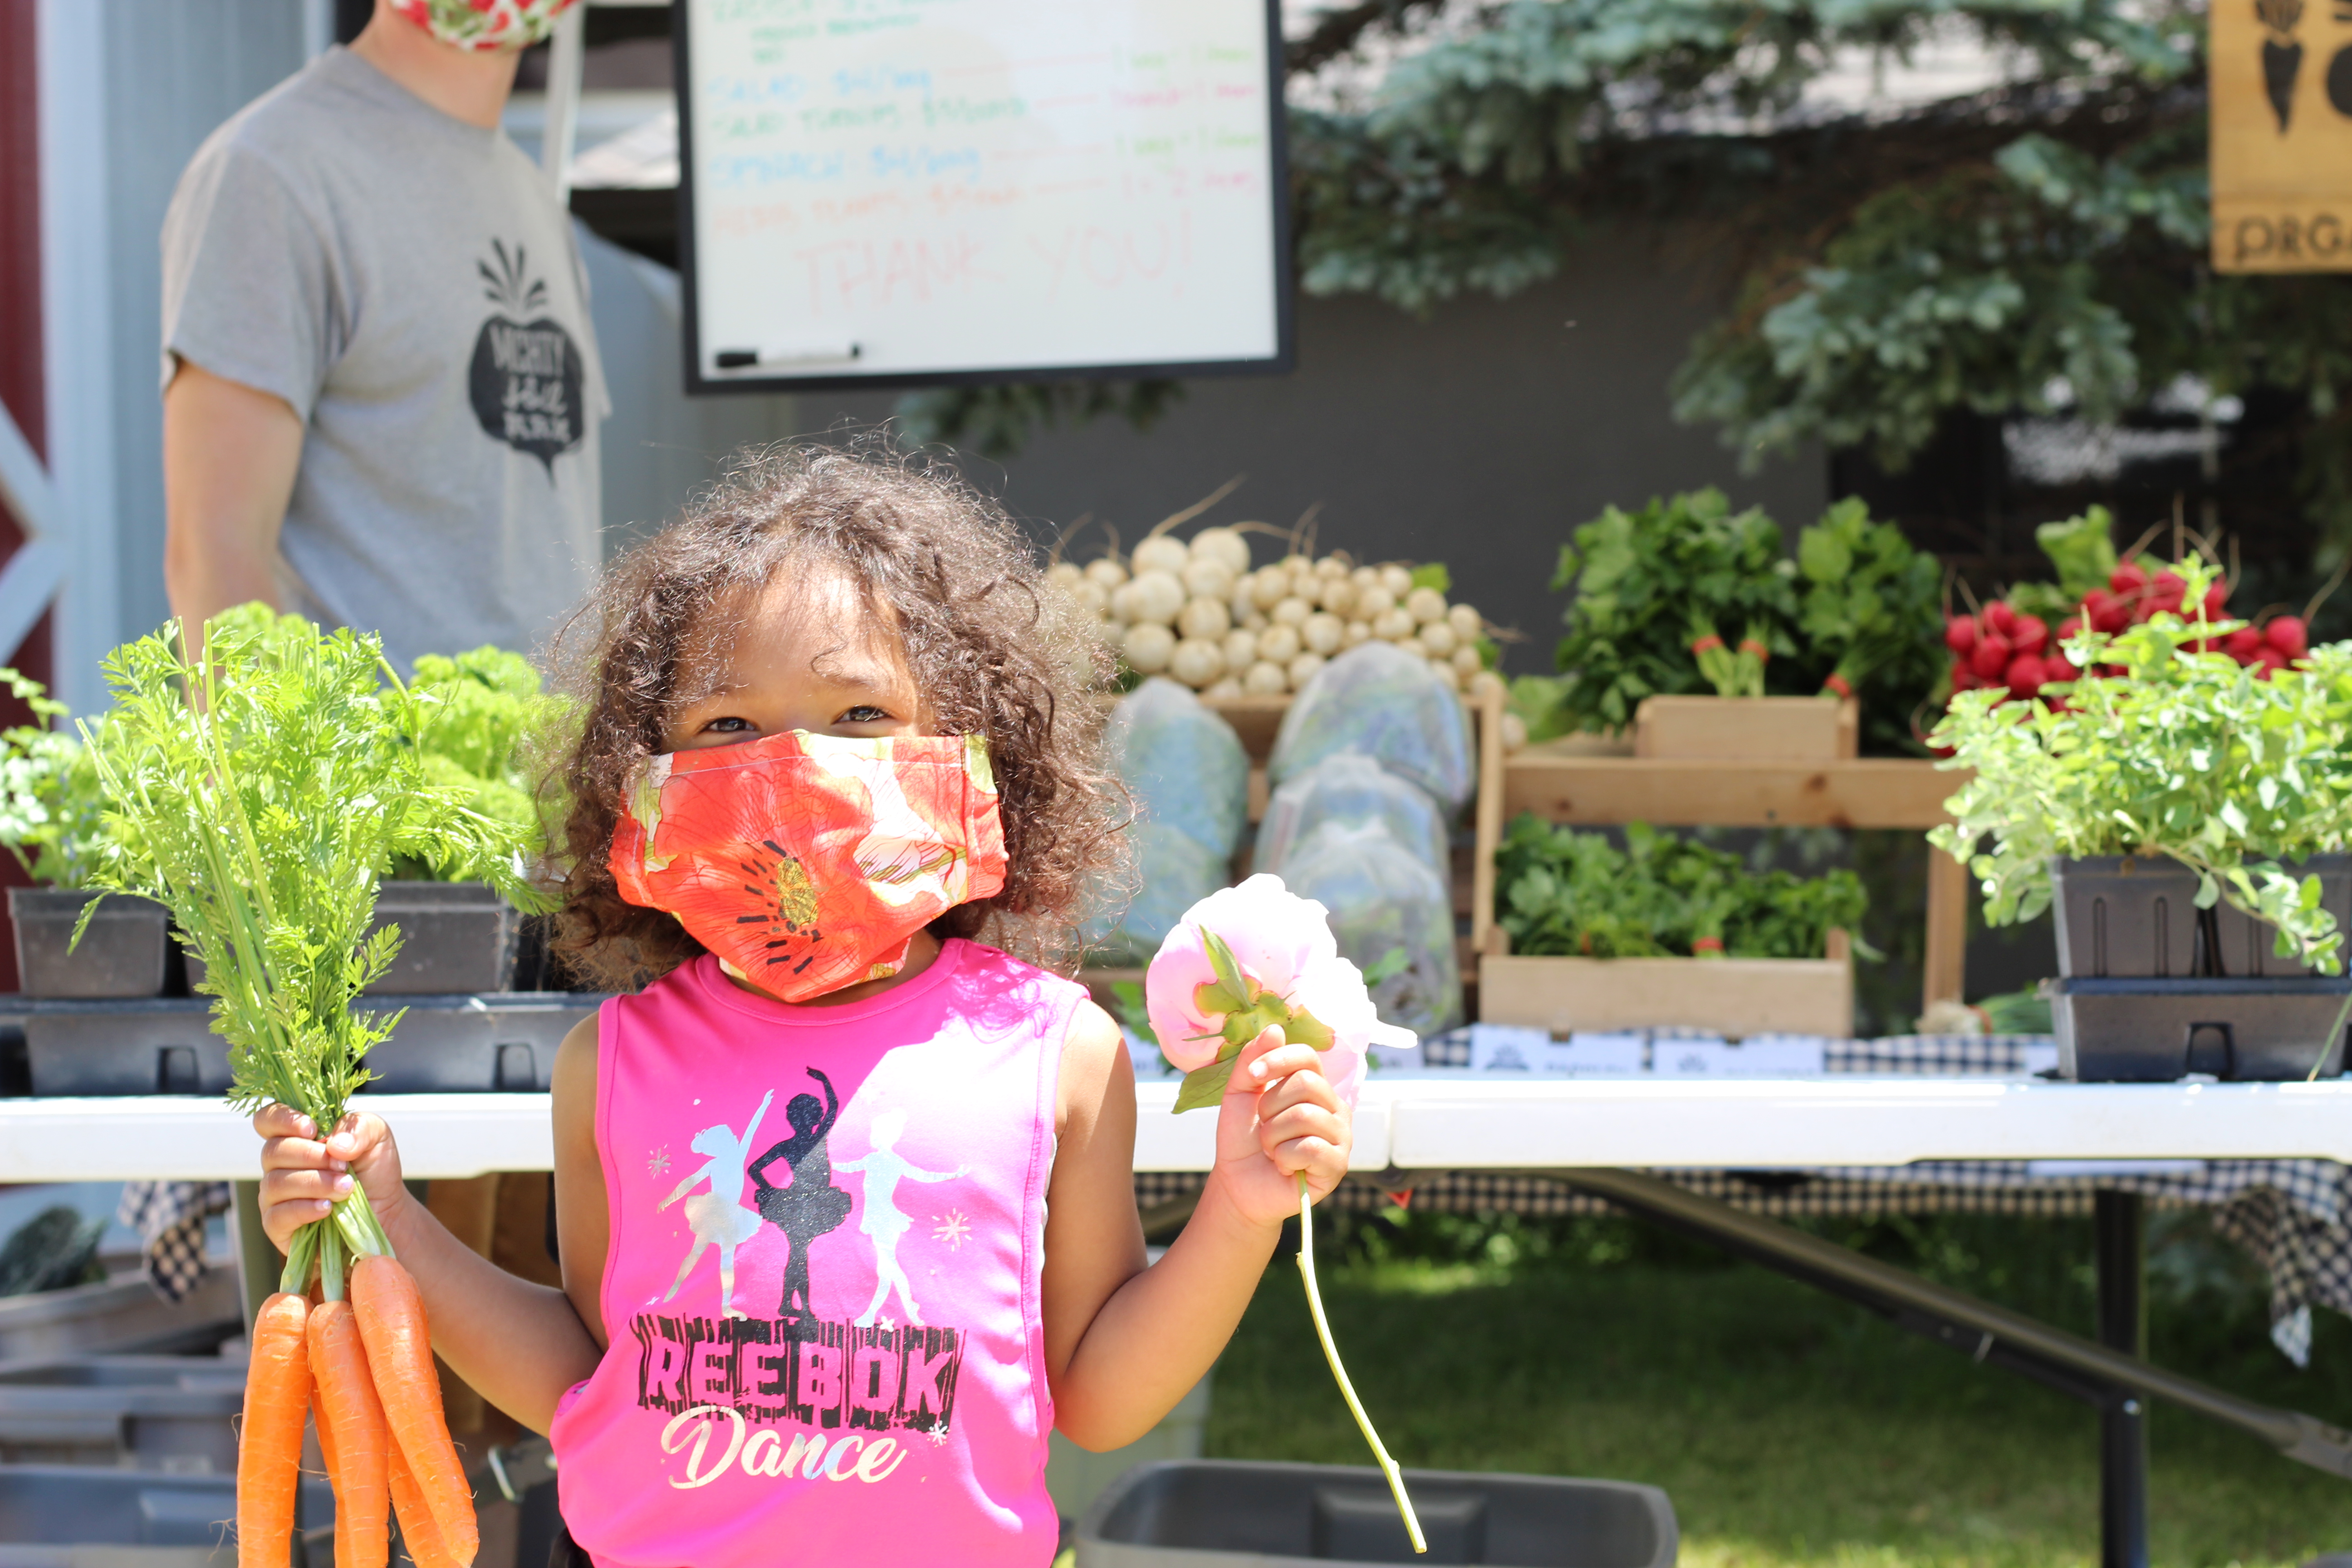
[380, 385]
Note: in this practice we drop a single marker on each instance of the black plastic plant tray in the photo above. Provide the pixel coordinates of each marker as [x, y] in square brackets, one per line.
[2155, 1031]
[1221, 1513]
[500, 1042]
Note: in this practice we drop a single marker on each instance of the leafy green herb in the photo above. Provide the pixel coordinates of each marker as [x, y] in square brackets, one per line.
[1433, 574]
[1656, 587]
[1537, 700]
[1641, 579]
[1562, 892]
[2184, 753]
[1871, 617]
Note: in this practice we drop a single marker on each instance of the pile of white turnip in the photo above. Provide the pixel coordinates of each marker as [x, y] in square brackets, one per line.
[1197, 612]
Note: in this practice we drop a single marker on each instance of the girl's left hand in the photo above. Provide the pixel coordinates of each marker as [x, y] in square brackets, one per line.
[1280, 1117]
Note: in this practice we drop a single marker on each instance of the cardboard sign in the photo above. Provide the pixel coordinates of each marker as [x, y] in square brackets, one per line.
[2281, 135]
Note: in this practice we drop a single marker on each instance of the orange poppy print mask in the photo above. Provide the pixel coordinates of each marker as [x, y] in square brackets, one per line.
[808, 862]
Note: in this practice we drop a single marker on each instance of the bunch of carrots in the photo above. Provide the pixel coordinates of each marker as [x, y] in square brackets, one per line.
[359, 1362]
[261, 789]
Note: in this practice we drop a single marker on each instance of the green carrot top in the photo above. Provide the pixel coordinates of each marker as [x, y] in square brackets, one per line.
[260, 792]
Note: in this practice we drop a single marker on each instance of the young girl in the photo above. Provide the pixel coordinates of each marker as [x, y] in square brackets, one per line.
[835, 731]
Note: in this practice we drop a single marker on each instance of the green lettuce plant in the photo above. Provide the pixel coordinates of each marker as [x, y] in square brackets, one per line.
[2183, 754]
[482, 712]
[52, 811]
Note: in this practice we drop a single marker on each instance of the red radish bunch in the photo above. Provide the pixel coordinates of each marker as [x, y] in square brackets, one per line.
[2001, 647]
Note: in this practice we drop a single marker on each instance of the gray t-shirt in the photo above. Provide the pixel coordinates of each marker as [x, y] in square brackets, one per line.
[407, 282]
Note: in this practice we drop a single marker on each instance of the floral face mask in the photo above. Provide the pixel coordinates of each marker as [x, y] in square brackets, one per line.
[806, 863]
[485, 24]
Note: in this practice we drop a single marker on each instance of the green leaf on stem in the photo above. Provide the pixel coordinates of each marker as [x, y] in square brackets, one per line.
[1206, 1086]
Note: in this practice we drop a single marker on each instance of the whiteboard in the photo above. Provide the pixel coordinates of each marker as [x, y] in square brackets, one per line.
[901, 191]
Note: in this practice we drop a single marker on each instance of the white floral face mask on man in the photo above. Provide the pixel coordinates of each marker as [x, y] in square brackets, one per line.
[484, 24]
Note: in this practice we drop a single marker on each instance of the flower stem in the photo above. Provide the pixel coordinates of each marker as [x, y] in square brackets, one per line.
[1331, 1354]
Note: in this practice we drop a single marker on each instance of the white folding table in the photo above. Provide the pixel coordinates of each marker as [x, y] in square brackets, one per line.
[1596, 1134]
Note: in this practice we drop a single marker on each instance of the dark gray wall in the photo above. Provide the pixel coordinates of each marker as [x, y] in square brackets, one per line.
[1478, 437]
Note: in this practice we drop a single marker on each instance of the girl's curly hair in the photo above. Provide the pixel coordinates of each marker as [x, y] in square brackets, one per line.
[991, 651]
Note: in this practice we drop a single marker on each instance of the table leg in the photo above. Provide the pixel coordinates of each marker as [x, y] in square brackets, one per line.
[1946, 967]
[2122, 1420]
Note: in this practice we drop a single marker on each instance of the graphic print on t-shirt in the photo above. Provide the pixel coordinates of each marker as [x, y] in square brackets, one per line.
[811, 1204]
[526, 379]
[860, 1388]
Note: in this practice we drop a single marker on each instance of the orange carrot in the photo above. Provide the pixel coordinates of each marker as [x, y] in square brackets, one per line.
[392, 1322]
[269, 1442]
[334, 1477]
[417, 1530]
[363, 1505]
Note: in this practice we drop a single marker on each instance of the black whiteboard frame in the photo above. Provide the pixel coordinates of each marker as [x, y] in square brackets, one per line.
[1281, 363]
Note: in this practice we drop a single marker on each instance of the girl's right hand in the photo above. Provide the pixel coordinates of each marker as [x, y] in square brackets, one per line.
[302, 1175]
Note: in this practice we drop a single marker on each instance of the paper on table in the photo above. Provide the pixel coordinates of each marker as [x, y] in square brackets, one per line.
[1763, 1055]
[1503, 1047]
[1507, 1047]
[1593, 1054]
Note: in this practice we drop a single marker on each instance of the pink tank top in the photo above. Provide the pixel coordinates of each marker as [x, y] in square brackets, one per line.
[827, 1230]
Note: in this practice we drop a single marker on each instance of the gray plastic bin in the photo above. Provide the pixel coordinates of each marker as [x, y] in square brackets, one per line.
[122, 954]
[2247, 943]
[63, 1516]
[464, 1044]
[1230, 1513]
[2122, 915]
[2154, 1031]
[152, 1412]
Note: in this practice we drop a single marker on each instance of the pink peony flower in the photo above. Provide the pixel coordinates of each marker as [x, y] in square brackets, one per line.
[1290, 965]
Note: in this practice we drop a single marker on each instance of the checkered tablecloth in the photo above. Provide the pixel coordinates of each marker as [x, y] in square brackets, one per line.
[170, 1219]
[2293, 1215]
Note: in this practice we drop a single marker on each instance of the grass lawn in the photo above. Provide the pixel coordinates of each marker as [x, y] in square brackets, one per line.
[1788, 1428]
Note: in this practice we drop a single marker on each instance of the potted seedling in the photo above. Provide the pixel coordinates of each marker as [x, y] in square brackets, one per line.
[50, 810]
[2184, 813]
[480, 711]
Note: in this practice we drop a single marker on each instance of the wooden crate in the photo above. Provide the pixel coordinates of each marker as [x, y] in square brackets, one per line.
[1587, 790]
[1732, 996]
[1749, 729]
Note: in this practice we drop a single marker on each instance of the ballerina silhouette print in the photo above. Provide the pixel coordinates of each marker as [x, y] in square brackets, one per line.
[883, 1168]
[812, 1205]
[718, 1217]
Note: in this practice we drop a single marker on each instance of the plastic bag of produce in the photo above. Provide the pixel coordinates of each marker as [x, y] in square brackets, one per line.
[1393, 918]
[1351, 788]
[1380, 701]
[1183, 764]
[1172, 872]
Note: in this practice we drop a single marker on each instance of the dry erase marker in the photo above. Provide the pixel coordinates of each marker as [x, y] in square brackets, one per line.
[755, 358]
